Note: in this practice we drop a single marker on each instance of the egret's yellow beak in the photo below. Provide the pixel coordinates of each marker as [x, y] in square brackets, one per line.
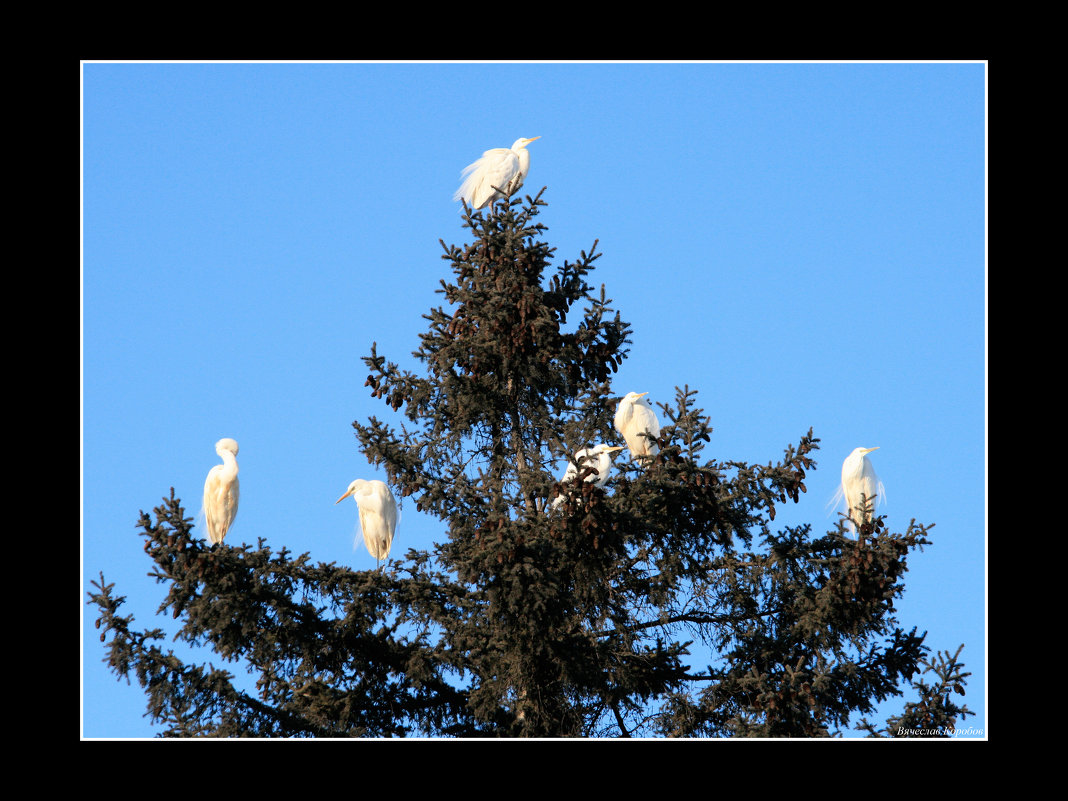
[642, 394]
[533, 138]
[615, 448]
[343, 497]
[869, 450]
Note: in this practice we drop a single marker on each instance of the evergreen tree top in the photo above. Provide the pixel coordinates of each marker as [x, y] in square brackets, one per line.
[548, 607]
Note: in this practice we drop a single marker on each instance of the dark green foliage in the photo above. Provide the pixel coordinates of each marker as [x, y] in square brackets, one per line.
[329, 653]
[936, 713]
[530, 621]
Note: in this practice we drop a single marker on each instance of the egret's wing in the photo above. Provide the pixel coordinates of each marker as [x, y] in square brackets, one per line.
[232, 493]
[500, 167]
[649, 421]
[645, 421]
[212, 481]
[490, 157]
[873, 487]
[377, 533]
[366, 533]
[603, 466]
[495, 169]
[568, 475]
[211, 493]
[220, 503]
[378, 519]
[474, 165]
[389, 513]
[371, 501]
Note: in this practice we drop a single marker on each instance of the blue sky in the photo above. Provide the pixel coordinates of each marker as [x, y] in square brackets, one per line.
[802, 243]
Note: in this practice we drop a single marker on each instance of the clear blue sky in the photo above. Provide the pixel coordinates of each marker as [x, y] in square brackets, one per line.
[802, 243]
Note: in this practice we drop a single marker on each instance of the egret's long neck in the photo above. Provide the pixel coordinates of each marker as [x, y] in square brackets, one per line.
[524, 162]
[229, 462]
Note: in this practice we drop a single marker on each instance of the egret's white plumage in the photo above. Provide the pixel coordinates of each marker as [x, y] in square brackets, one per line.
[858, 478]
[635, 416]
[599, 457]
[221, 491]
[496, 175]
[378, 514]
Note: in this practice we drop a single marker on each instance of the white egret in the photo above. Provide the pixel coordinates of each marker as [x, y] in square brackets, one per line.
[221, 492]
[858, 478]
[599, 457]
[378, 514]
[496, 175]
[634, 416]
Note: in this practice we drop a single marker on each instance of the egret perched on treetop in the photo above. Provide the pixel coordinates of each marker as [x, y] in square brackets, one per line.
[221, 492]
[496, 175]
[598, 457]
[634, 416]
[378, 514]
[858, 478]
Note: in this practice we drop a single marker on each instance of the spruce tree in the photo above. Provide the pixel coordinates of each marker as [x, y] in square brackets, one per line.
[531, 618]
